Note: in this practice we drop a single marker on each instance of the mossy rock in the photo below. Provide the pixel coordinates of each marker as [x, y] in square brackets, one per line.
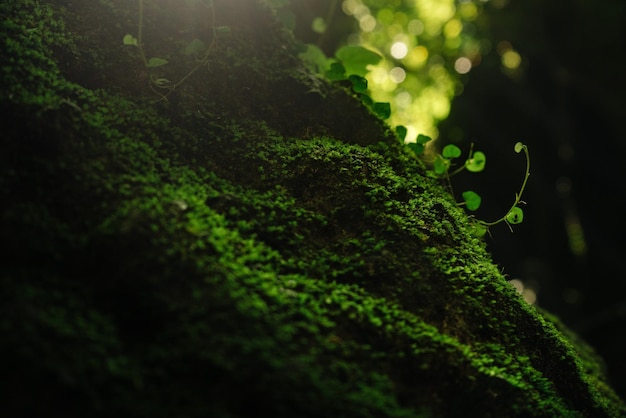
[256, 243]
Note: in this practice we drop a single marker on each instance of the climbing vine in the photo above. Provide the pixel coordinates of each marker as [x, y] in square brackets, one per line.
[475, 162]
[196, 48]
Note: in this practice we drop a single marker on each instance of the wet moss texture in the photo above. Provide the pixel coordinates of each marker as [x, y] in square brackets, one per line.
[256, 243]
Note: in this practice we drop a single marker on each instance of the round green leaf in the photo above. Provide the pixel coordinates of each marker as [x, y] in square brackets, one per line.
[423, 139]
[130, 40]
[356, 59]
[337, 72]
[382, 109]
[367, 100]
[518, 147]
[479, 229]
[319, 25]
[476, 163]
[401, 131]
[156, 62]
[451, 151]
[472, 200]
[418, 149]
[196, 46]
[359, 84]
[441, 165]
[315, 58]
[515, 216]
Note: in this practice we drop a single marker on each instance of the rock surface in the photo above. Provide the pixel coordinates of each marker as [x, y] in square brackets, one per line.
[253, 242]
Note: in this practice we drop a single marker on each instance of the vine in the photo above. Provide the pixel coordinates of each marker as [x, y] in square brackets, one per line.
[475, 162]
[160, 85]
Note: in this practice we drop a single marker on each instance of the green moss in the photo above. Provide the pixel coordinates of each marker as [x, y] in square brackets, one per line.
[219, 255]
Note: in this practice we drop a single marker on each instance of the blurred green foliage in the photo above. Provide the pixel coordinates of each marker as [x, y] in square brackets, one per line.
[427, 47]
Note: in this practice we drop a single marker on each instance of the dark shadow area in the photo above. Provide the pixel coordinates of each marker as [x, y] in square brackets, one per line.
[566, 103]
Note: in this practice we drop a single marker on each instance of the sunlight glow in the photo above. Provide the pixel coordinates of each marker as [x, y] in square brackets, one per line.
[438, 13]
[426, 45]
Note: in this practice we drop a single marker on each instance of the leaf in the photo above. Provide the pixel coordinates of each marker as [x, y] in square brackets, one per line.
[441, 165]
[356, 59]
[518, 147]
[451, 151]
[195, 47]
[515, 215]
[162, 82]
[479, 229]
[382, 109]
[319, 25]
[367, 100]
[222, 29]
[418, 149]
[130, 40]
[472, 200]
[337, 72]
[476, 163]
[156, 62]
[423, 139]
[315, 58]
[401, 131]
[359, 84]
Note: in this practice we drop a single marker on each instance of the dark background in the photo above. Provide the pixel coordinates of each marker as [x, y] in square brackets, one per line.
[566, 102]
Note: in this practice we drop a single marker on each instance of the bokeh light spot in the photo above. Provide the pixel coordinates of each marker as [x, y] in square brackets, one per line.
[403, 99]
[399, 50]
[367, 23]
[416, 27]
[397, 75]
[385, 16]
[417, 57]
[529, 295]
[349, 6]
[463, 65]
[453, 28]
[511, 59]
[468, 10]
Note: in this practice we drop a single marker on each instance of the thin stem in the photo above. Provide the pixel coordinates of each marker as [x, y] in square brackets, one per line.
[140, 33]
[458, 170]
[330, 15]
[203, 61]
[518, 196]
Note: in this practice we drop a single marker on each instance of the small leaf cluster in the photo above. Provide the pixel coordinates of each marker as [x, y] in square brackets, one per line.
[196, 48]
[349, 65]
[475, 162]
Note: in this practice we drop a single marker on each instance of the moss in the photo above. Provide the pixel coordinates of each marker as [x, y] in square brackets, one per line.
[219, 254]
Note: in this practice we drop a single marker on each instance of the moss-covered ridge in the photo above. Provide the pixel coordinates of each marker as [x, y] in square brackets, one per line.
[229, 254]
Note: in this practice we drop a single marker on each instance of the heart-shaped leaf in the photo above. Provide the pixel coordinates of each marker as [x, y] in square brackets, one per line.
[476, 162]
[472, 200]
